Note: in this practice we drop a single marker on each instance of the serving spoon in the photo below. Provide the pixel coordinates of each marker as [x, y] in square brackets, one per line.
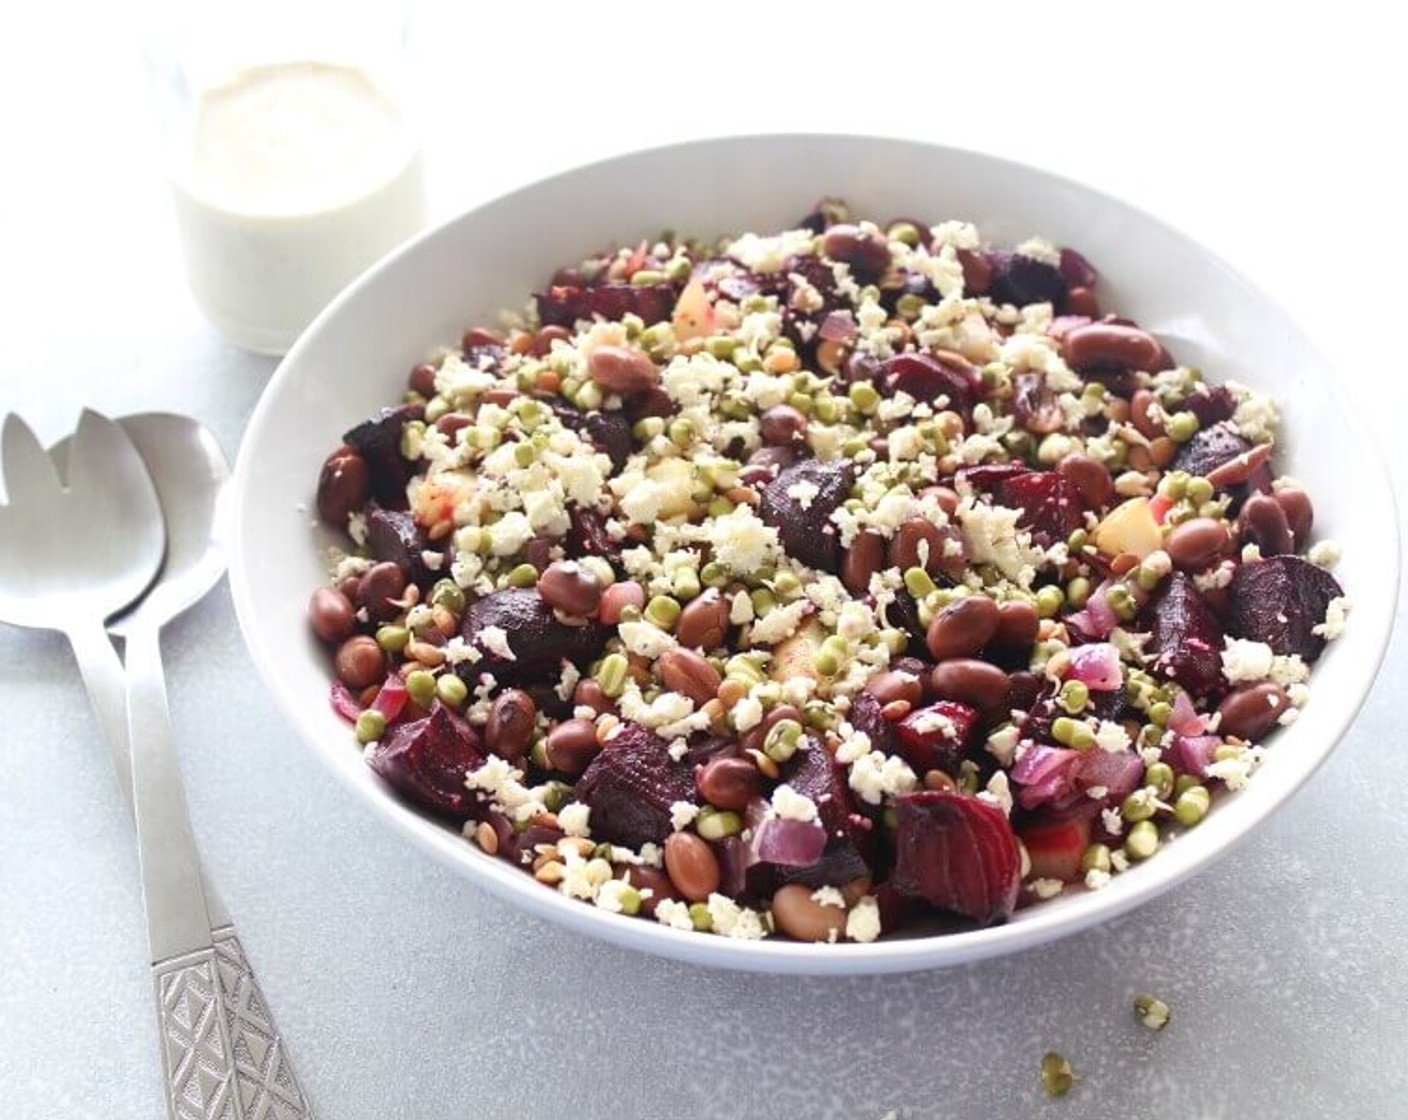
[190, 472]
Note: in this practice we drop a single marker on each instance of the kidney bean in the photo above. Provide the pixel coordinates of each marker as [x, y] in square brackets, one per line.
[691, 865]
[509, 729]
[1090, 477]
[946, 496]
[331, 614]
[452, 423]
[686, 672]
[620, 369]
[1080, 301]
[359, 662]
[543, 340]
[895, 684]
[344, 485]
[863, 559]
[1194, 544]
[917, 543]
[648, 879]
[616, 598]
[422, 379]
[977, 272]
[800, 916]
[1239, 468]
[1017, 624]
[728, 783]
[1263, 522]
[1300, 514]
[572, 745]
[1142, 416]
[866, 252]
[963, 627]
[568, 587]
[1117, 346]
[588, 694]
[970, 680]
[1250, 711]
[501, 395]
[782, 425]
[380, 586]
[703, 624]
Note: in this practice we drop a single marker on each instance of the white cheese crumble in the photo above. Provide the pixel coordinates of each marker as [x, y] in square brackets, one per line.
[863, 921]
[1244, 660]
[612, 894]
[779, 623]
[733, 920]
[1046, 889]
[1324, 554]
[1335, 614]
[1111, 737]
[495, 640]
[573, 819]
[682, 814]
[790, 805]
[1039, 249]
[803, 493]
[669, 912]
[770, 254]
[875, 775]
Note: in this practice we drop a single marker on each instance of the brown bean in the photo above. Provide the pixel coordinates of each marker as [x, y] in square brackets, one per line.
[648, 879]
[963, 627]
[895, 684]
[691, 865]
[1090, 477]
[728, 783]
[1142, 414]
[543, 340]
[1194, 544]
[863, 250]
[476, 337]
[703, 624]
[1263, 522]
[422, 379]
[917, 543]
[782, 425]
[946, 496]
[1017, 623]
[1080, 301]
[617, 598]
[970, 680]
[1250, 711]
[863, 559]
[1300, 514]
[359, 662]
[621, 369]
[571, 746]
[800, 916]
[1239, 468]
[381, 585]
[1162, 451]
[331, 614]
[509, 729]
[686, 672]
[1123, 563]
[568, 587]
[1102, 346]
[344, 484]
[977, 272]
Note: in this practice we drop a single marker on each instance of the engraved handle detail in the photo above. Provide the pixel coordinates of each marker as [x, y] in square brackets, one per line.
[195, 1042]
[268, 1089]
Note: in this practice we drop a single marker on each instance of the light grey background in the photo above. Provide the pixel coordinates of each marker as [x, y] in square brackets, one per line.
[406, 993]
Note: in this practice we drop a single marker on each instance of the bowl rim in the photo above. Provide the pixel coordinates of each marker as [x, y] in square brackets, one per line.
[1216, 837]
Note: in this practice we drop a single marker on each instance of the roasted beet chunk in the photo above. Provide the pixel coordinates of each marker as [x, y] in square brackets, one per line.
[379, 441]
[1208, 449]
[813, 773]
[1050, 505]
[427, 760]
[610, 432]
[1021, 280]
[958, 853]
[926, 378]
[1280, 601]
[630, 787]
[1210, 404]
[803, 518]
[394, 535]
[865, 717]
[562, 305]
[587, 536]
[519, 619]
[1185, 637]
[934, 738]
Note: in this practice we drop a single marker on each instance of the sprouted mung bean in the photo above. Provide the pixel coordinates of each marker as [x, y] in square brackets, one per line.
[981, 595]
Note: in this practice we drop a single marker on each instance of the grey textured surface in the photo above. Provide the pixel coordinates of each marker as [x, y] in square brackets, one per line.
[402, 991]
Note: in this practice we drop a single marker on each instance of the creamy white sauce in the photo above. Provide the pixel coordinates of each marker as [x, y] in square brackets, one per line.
[301, 174]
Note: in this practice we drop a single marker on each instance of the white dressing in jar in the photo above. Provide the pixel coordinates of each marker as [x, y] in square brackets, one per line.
[300, 175]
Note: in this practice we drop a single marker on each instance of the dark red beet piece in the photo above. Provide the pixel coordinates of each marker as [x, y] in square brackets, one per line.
[394, 535]
[379, 441]
[807, 533]
[1050, 505]
[426, 761]
[935, 737]
[865, 717]
[563, 305]
[1043, 711]
[610, 432]
[1209, 448]
[1280, 601]
[1185, 637]
[925, 378]
[1021, 280]
[536, 638]
[1211, 405]
[630, 787]
[849, 850]
[958, 853]
[587, 536]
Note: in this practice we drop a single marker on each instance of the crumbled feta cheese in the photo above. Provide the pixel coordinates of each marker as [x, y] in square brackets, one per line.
[998, 792]
[790, 805]
[779, 623]
[1002, 744]
[733, 920]
[495, 640]
[573, 819]
[1039, 249]
[863, 921]
[1112, 821]
[457, 651]
[876, 775]
[669, 912]
[803, 493]
[770, 254]
[1324, 554]
[1046, 889]
[1335, 614]
[1095, 879]
[742, 542]
[644, 639]
[747, 714]
[1111, 737]
[611, 895]
[682, 814]
[1244, 660]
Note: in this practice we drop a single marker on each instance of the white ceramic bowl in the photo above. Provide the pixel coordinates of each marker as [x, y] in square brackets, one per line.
[354, 358]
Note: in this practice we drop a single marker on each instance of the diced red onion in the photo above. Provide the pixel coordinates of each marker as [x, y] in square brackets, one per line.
[391, 698]
[1097, 666]
[1043, 774]
[1190, 754]
[343, 702]
[788, 843]
[1076, 270]
[1184, 719]
[1120, 772]
[838, 326]
[1098, 618]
